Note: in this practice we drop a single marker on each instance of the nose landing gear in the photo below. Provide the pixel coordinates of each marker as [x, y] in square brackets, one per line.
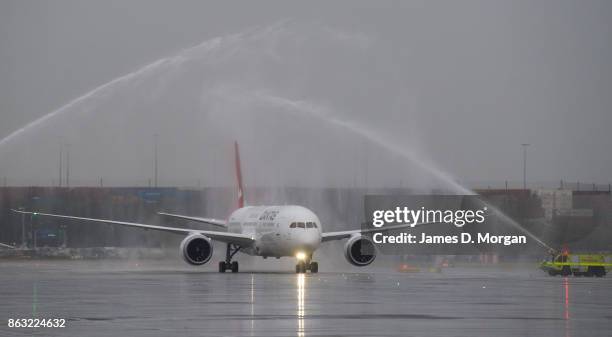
[302, 266]
[228, 263]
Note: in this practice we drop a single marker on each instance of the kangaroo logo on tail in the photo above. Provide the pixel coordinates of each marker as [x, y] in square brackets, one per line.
[238, 175]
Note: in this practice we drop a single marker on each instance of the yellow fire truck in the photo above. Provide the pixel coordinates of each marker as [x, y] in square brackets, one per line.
[565, 264]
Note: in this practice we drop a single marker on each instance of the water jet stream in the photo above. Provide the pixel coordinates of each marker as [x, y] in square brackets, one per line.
[323, 114]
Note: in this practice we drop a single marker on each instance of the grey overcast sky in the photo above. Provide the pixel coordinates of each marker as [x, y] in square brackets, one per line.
[460, 83]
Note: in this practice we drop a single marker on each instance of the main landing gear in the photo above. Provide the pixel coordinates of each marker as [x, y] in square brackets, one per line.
[302, 266]
[231, 250]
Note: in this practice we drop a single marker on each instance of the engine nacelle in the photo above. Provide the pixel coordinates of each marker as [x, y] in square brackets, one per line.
[196, 249]
[359, 250]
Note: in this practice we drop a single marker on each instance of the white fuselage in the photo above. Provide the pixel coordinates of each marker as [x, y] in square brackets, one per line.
[277, 230]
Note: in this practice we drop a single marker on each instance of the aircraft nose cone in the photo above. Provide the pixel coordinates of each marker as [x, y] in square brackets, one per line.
[310, 241]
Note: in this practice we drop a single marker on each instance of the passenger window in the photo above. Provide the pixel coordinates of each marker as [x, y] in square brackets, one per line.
[292, 225]
[301, 225]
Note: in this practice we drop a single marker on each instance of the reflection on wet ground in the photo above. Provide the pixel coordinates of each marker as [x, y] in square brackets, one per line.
[118, 299]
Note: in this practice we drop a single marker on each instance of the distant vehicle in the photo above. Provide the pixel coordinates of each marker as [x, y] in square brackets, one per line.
[407, 268]
[267, 231]
[565, 264]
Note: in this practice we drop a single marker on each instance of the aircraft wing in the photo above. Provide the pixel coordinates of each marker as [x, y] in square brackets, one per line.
[214, 222]
[235, 238]
[6, 246]
[330, 236]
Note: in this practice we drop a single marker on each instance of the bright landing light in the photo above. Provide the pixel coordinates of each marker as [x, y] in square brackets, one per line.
[300, 255]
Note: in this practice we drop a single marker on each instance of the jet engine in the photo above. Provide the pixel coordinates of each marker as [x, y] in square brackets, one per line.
[359, 250]
[196, 249]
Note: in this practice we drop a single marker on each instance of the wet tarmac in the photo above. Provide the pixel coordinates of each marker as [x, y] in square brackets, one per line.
[149, 299]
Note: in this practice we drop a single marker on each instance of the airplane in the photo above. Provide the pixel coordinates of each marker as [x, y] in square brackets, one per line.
[266, 231]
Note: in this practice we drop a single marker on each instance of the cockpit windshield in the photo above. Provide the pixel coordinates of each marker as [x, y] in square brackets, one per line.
[303, 225]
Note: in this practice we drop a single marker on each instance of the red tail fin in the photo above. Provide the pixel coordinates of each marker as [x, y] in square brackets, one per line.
[238, 175]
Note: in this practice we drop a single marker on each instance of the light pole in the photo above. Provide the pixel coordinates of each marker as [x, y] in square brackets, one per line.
[67, 165]
[525, 165]
[155, 159]
[61, 159]
[23, 239]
